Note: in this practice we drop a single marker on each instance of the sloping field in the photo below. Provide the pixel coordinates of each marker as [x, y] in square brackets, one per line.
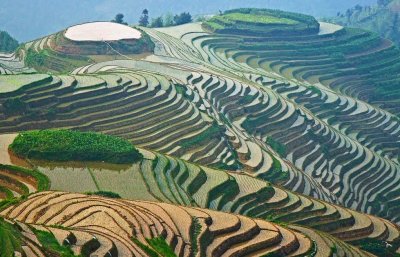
[166, 179]
[125, 228]
[305, 116]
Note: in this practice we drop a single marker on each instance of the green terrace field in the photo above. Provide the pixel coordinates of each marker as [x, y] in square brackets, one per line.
[261, 22]
[254, 133]
[163, 179]
[250, 18]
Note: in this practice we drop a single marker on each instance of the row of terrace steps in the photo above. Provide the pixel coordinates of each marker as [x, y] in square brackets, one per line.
[114, 222]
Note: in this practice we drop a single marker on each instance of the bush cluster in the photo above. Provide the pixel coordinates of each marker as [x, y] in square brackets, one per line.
[68, 145]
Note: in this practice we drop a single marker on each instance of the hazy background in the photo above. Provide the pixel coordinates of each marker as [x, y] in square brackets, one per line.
[30, 19]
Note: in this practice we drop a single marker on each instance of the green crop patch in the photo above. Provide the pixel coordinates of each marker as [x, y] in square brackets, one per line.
[67, 145]
[257, 18]
[10, 239]
[248, 21]
[51, 245]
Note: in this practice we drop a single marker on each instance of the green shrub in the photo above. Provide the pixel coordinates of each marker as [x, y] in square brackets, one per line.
[34, 59]
[68, 145]
[105, 194]
[160, 246]
[195, 230]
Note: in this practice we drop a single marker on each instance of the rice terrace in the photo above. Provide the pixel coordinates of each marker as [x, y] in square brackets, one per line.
[246, 132]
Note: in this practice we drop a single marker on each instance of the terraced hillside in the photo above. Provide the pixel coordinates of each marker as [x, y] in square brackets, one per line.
[164, 179]
[304, 115]
[97, 226]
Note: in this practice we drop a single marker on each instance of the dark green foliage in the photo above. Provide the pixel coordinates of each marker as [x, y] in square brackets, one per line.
[195, 230]
[10, 239]
[34, 59]
[182, 18]
[275, 175]
[51, 246]
[144, 19]
[119, 18]
[157, 22]
[7, 43]
[315, 90]
[378, 247]
[14, 106]
[157, 247]
[160, 246]
[105, 194]
[277, 146]
[67, 145]
[150, 252]
[4, 204]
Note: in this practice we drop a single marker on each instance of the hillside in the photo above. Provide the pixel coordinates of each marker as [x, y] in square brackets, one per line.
[382, 19]
[261, 113]
[163, 179]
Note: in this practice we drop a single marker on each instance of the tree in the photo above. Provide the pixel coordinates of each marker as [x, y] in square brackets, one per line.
[157, 22]
[168, 20]
[119, 18]
[182, 18]
[7, 43]
[144, 19]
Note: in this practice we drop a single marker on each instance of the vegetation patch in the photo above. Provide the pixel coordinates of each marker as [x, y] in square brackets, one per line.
[257, 18]
[157, 247]
[68, 145]
[275, 175]
[10, 239]
[105, 194]
[42, 181]
[249, 21]
[160, 246]
[378, 247]
[35, 59]
[209, 133]
[51, 246]
[7, 43]
[277, 146]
